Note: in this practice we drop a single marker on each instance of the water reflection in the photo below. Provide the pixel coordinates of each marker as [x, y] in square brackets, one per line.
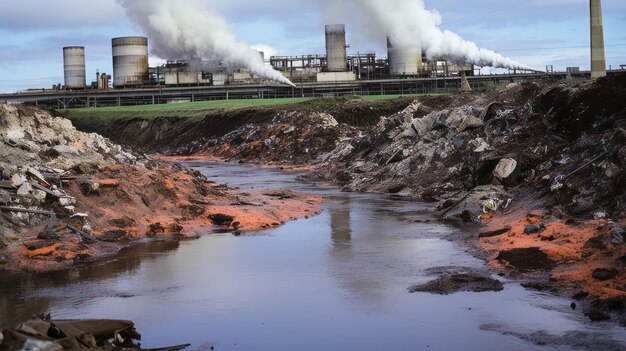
[23, 295]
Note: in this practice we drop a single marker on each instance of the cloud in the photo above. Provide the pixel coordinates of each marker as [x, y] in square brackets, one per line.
[33, 15]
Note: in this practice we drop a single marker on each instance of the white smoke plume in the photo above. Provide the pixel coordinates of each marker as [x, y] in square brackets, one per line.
[192, 29]
[409, 23]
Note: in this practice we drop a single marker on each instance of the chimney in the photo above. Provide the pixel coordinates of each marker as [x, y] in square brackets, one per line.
[598, 60]
[465, 85]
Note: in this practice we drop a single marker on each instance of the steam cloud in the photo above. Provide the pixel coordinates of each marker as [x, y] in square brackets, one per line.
[409, 23]
[179, 28]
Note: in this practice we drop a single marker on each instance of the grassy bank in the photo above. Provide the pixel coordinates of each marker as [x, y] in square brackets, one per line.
[203, 108]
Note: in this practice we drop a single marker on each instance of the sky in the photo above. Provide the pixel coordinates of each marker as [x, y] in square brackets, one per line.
[536, 32]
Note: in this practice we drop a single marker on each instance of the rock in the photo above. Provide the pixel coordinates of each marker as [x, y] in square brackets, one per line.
[539, 286]
[470, 122]
[580, 295]
[459, 282]
[25, 189]
[598, 242]
[604, 274]
[17, 180]
[533, 229]
[114, 235]
[40, 195]
[478, 145]
[67, 200]
[505, 168]
[35, 173]
[600, 215]
[155, 229]
[409, 133]
[48, 233]
[175, 229]
[617, 236]
[425, 124]
[5, 197]
[596, 315]
[613, 303]
[221, 219]
[65, 149]
[526, 259]
[496, 232]
[124, 222]
[88, 186]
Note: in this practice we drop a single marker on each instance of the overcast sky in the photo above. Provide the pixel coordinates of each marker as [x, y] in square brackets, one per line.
[536, 32]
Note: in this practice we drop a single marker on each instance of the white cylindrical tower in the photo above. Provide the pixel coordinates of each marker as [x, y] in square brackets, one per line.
[130, 61]
[403, 60]
[336, 55]
[74, 67]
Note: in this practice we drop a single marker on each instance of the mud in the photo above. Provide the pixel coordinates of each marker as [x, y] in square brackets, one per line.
[449, 284]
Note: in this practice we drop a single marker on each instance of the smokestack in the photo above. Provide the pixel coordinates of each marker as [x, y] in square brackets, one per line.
[465, 85]
[598, 60]
[336, 55]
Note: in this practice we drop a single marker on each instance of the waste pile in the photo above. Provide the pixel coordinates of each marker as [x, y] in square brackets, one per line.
[538, 169]
[290, 138]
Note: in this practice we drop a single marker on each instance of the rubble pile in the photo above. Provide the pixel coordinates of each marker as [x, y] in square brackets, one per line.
[69, 197]
[291, 137]
[539, 168]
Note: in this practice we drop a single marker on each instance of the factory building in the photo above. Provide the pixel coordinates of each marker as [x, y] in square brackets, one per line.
[131, 68]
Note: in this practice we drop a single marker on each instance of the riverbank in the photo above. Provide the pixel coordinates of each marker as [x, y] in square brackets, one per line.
[538, 170]
[71, 198]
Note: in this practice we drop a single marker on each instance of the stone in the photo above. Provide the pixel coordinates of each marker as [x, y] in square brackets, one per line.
[24, 190]
[505, 168]
[532, 229]
[425, 124]
[604, 274]
[5, 196]
[471, 122]
[459, 282]
[35, 173]
[17, 180]
[67, 200]
[39, 195]
[496, 232]
[409, 133]
[526, 259]
[617, 236]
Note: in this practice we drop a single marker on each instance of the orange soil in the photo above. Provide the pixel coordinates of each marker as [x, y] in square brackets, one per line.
[564, 244]
[133, 200]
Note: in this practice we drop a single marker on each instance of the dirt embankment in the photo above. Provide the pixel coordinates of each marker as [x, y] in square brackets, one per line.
[183, 132]
[538, 170]
[69, 197]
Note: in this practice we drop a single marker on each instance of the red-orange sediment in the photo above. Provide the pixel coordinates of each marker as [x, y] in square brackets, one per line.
[131, 199]
[564, 244]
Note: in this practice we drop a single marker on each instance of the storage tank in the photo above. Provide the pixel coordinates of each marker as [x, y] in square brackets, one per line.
[403, 60]
[336, 56]
[130, 61]
[74, 67]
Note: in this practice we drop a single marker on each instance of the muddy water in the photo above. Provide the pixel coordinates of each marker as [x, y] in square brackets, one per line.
[337, 281]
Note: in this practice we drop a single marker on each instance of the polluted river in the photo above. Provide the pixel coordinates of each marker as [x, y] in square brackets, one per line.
[338, 280]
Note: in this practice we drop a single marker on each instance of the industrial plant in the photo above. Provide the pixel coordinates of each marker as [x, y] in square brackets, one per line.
[403, 69]
[131, 69]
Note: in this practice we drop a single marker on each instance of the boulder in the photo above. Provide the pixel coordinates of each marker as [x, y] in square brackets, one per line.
[505, 168]
[526, 259]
